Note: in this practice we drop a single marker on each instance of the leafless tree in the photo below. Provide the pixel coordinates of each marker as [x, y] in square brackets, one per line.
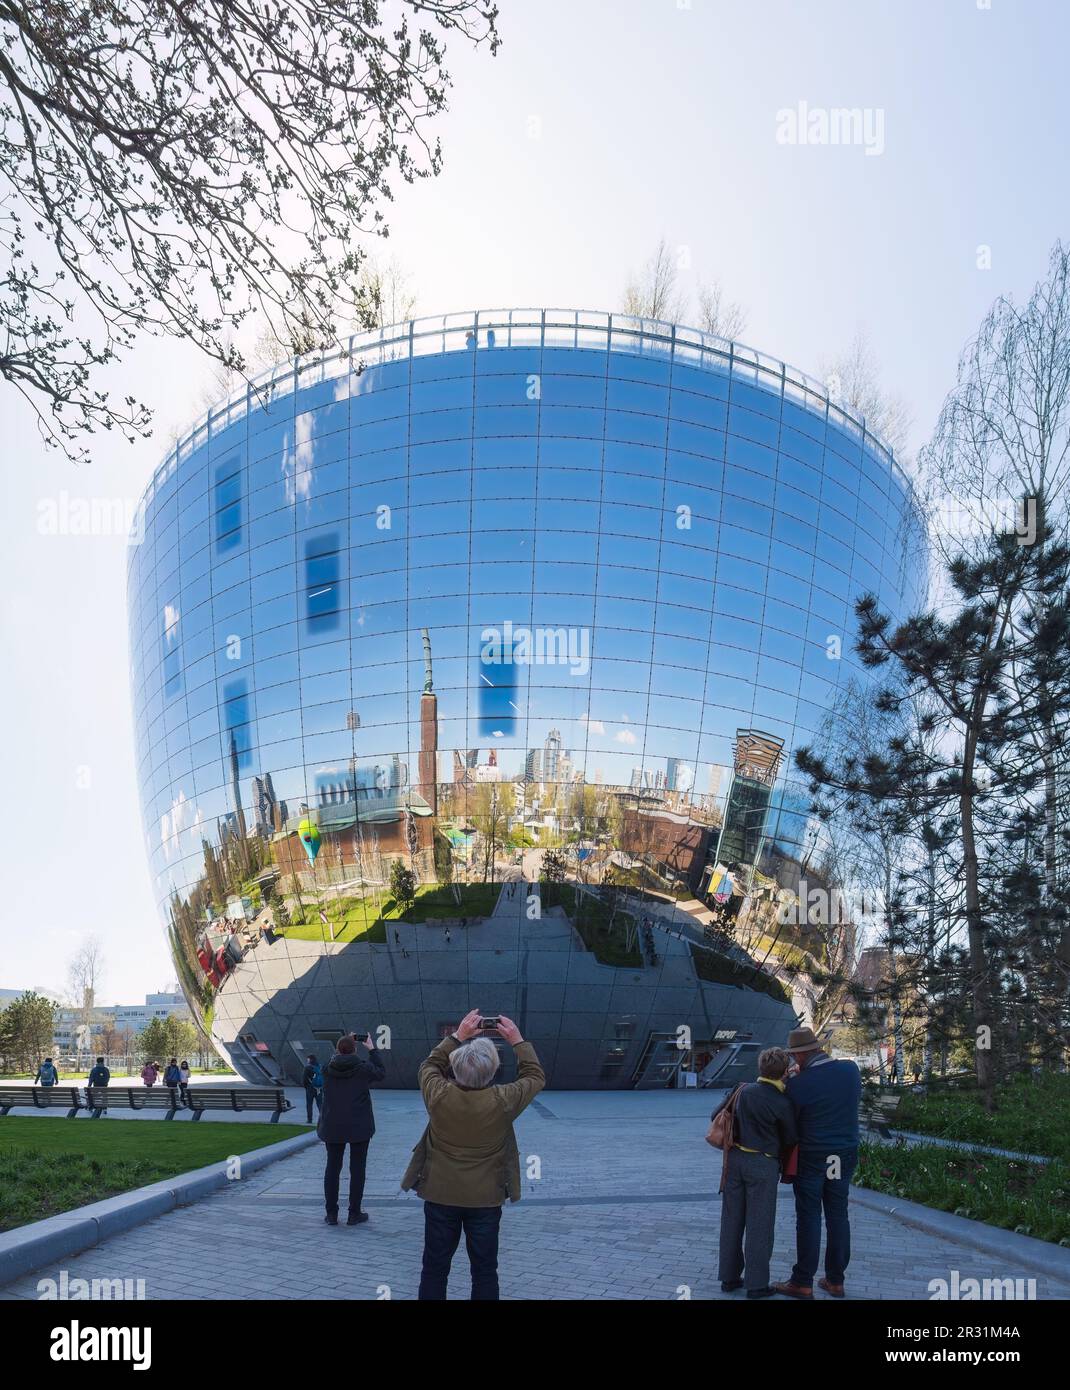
[854, 381]
[172, 168]
[386, 294]
[720, 316]
[654, 293]
[1004, 432]
[390, 295]
[84, 974]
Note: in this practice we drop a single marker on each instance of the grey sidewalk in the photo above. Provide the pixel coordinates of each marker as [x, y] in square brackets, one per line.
[625, 1207]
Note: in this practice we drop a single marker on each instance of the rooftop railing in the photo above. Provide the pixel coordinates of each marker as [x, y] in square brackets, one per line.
[526, 328]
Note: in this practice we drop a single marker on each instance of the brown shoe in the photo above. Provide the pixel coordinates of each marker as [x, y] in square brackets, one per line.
[794, 1290]
[834, 1290]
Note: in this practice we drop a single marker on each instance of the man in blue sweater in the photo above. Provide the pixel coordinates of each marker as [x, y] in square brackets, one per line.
[826, 1096]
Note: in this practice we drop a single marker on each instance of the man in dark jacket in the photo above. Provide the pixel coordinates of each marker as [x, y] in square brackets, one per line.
[764, 1129]
[346, 1118]
[100, 1075]
[312, 1080]
[826, 1096]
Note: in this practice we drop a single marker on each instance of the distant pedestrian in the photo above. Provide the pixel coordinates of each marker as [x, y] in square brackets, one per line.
[464, 921]
[183, 1083]
[149, 1074]
[447, 936]
[397, 937]
[100, 1075]
[47, 1074]
[172, 1076]
[347, 1118]
[312, 1080]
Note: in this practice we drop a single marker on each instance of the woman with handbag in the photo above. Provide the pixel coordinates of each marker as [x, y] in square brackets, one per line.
[753, 1126]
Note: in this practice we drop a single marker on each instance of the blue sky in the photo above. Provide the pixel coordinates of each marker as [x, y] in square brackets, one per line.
[597, 130]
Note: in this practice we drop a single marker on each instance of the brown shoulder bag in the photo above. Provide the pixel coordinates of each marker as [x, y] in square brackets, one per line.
[722, 1130]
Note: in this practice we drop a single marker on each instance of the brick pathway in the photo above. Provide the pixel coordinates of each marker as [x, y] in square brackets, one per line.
[625, 1207]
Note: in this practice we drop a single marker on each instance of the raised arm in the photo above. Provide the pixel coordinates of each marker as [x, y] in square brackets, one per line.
[434, 1073]
[530, 1077]
[373, 1065]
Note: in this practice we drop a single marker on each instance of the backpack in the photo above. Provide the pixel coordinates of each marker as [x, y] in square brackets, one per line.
[316, 1079]
[48, 1074]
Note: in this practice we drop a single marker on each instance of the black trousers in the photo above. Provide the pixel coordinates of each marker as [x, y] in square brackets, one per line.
[442, 1234]
[358, 1158]
[748, 1214]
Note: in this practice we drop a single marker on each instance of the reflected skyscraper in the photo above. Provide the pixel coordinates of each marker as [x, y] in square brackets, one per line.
[624, 545]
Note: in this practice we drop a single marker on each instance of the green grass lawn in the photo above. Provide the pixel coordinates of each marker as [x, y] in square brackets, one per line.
[1030, 1198]
[1032, 1115]
[717, 969]
[604, 935]
[48, 1166]
[364, 917]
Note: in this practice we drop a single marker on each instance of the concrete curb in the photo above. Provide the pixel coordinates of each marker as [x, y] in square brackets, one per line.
[1008, 1246]
[937, 1142]
[29, 1247]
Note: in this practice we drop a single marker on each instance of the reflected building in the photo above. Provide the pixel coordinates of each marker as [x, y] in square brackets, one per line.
[536, 606]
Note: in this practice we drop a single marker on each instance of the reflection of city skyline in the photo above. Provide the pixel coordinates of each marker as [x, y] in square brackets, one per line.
[317, 700]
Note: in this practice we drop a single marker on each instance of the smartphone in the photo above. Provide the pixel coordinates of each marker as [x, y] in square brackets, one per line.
[361, 1037]
[489, 1022]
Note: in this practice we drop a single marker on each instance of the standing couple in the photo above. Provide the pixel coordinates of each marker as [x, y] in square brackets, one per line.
[816, 1108]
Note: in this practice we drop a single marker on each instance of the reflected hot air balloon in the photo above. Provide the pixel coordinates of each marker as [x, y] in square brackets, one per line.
[309, 834]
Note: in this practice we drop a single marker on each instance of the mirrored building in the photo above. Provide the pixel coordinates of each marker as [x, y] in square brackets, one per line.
[469, 661]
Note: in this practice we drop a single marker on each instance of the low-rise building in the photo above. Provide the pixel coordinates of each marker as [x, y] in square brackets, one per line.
[163, 1005]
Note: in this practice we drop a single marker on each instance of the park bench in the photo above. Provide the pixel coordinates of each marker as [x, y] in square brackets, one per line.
[882, 1112]
[41, 1098]
[100, 1099]
[204, 1098]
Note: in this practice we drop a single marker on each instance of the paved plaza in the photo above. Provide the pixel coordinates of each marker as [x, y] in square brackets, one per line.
[624, 1207]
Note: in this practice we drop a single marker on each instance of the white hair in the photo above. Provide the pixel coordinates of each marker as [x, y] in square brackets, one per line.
[474, 1064]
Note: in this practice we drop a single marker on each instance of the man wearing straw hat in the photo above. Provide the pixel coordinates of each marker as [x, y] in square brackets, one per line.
[826, 1095]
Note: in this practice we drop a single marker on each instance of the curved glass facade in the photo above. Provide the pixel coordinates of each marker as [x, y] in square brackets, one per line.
[534, 607]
